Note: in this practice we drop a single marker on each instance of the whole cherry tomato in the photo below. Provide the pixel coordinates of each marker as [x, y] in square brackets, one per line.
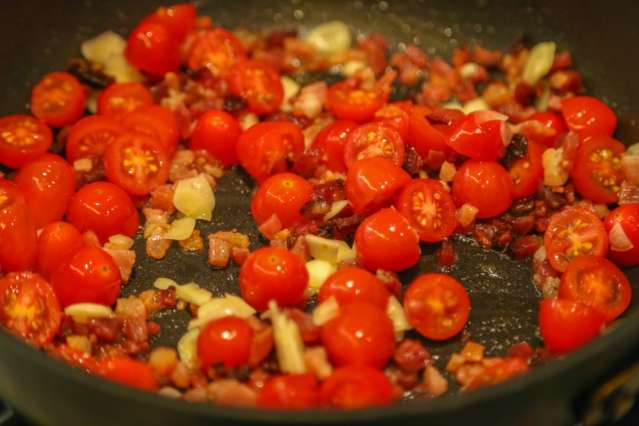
[588, 116]
[119, 98]
[354, 284]
[18, 238]
[485, 185]
[596, 172]
[331, 141]
[566, 325]
[91, 136]
[283, 195]
[622, 225]
[217, 132]
[357, 386]
[372, 182]
[128, 371]
[22, 138]
[179, 19]
[226, 341]
[58, 99]
[57, 242]
[153, 49]
[290, 392]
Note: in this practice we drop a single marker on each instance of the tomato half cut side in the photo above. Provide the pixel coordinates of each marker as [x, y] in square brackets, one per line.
[218, 50]
[119, 98]
[259, 84]
[22, 138]
[155, 121]
[347, 102]
[597, 173]
[566, 325]
[396, 115]
[58, 99]
[18, 238]
[374, 140]
[91, 136]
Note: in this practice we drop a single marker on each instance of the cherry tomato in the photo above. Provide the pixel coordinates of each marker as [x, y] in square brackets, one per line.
[137, 163]
[178, 18]
[588, 116]
[47, 183]
[75, 357]
[372, 182]
[386, 240]
[130, 372]
[397, 116]
[357, 386]
[552, 121]
[566, 325]
[157, 122]
[331, 141]
[153, 49]
[423, 135]
[354, 284]
[284, 195]
[273, 273]
[258, 84]
[18, 238]
[347, 102]
[625, 220]
[374, 140]
[105, 209]
[290, 392]
[90, 137]
[485, 185]
[217, 132]
[571, 232]
[218, 50]
[226, 341]
[528, 173]
[57, 242]
[119, 98]
[429, 208]
[58, 99]
[479, 136]
[596, 172]
[267, 148]
[22, 138]
[437, 305]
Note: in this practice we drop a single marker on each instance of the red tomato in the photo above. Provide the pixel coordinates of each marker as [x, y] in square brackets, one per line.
[397, 116]
[528, 173]
[429, 208]
[89, 276]
[566, 325]
[153, 49]
[596, 172]
[226, 341]
[119, 98]
[105, 209]
[357, 386]
[624, 248]
[29, 308]
[290, 392]
[75, 357]
[331, 141]
[552, 121]
[423, 135]
[47, 183]
[284, 195]
[372, 182]
[57, 242]
[354, 284]
[178, 18]
[218, 50]
[571, 232]
[347, 102]
[479, 136]
[360, 334]
[18, 238]
[267, 148]
[217, 132]
[374, 140]
[588, 116]
[258, 84]
[385, 240]
[598, 283]
[22, 138]
[136, 163]
[90, 137]
[129, 372]
[273, 273]
[485, 185]
[58, 99]
[157, 122]
[437, 305]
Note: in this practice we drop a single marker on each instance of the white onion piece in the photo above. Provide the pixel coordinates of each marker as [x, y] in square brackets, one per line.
[164, 283]
[488, 115]
[539, 62]
[468, 69]
[325, 311]
[351, 67]
[120, 69]
[187, 349]
[318, 272]
[396, 313]
[466, 214]
[453, 105]
[180, 229]
[81, 312]
[194, 198]
[218, 307]
[447, 172]
[619, 241]
[477, 104]
[291, 89]
[102, 47]
[330, 38]
[288, 341]
[336, 208]
[332, 251]
[554, 172]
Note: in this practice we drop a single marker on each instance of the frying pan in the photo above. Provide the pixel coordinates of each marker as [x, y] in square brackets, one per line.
[41, 36]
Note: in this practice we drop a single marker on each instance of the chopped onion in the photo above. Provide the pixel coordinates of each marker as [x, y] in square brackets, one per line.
[447, 172]
[102, 47]
[194, 198]
[554, 172]
[351, 67]
[619, 241]
[477, 104]
[193, 293]
[466, 214]
[539, 62]
[318, 272]
[123, 72]
[248, 120]
[120, 241]
[187, 349]
[396, 313]
[330, 38]
[325, 311]
[169, 392]
[180, 229]
[291, 88]
[336, 208]
[468, 70]
[81, 312]
[540, 254]
[488, 115]
[543, 99]
[218, 307]
[164, 283]
[288, 341]
[453, 105]
[332, 251]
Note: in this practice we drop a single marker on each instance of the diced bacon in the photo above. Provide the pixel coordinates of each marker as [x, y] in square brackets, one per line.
[630, 167]
[375, 47]
[485, 57]
[309, 331]
[544, 275]
[300, 248]
[473, 351]
[163, 361]
[434, 383]
[162, 198]
[219, 252]
[125, 259]
[90, 238]
[496, 94]
[311, 99]
[236, 239]
[262, 342]
[446, 254]
[181, 376]
[156, 300]
[239, 255]
[565, 81]
[131, 306]
[316, 361]
[628, 193]
[231, 392]
[194, 242]
[270, 227]
[389, 279]
[411, 355]
[563, 60]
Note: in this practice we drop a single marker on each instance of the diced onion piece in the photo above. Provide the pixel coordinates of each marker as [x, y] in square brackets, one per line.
[169, 392]
[332, 251]
[539, 62]
[453, 105]
[543, 99]
[102, 47]
[466, 214]
[351, 67]
[630, 164]
[92, 101]
[81, 312]
[396, 313]
[187, 349]
[79, 343]
[447, 172]
[120, 241]
[180, 229]
[193, 293]
[434, 383]
[218, 307]
[164, 283]
[477, 104]
[540, 254]
[336, 208]
[288, 341]
[330, 38]
[291, 88]
[123, 72]
[325, 311]
[554, 172]
[194, 198]
[318, 272]
[619, 241]
[248, 120]
[633, 149]
[484, 116]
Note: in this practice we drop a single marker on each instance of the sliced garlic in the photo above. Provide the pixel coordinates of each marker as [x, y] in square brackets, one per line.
[218, 307]
[477, 104]
[102, 47]
[194, 198]
[164, 283]
[539, 62]
[193, 293]
[82, 312]
[330, 38]
[187, 349]
[122, 72]
[180, 229]
[291, 89]
[318, 272]
[325, 311]
[288, 341]
[336, 208]
[396, 313]
[332, 251]
[248, 120]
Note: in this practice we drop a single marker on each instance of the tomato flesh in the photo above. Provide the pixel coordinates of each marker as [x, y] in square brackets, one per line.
[372, 182]
[625, 219]
[397, 116]
[153, 49]
[179, 19]
[22, 138]
[374, 140]
[18, 238]
[57, 242]
[423, 135]
[597, 173]
[218, 50]
[478, 136]
[91, 136]
[58, 99]
[129, 372]
[485, 185]
[588, 116]
[348, 102]
[331, 141]
[357, 386]
[283, 195]
[290, 392]
[552, 121]
[259, 84]
[566, 325]
[119, 98]
[528, 172]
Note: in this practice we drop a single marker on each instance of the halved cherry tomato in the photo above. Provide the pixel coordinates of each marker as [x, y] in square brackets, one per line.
[47, 183]
[29, 308]
[284, 195]
[528, 172]
[598, 283]
[622, 225]
[58, 99]
[217, 132]
[566, 325]
[258, 84]
[588, 116]
[57, 242]
[485, 185]
[268, 147]
[290, 392]
[18, 238]
[552, 121]
[152, 48]
[89, 276]
[128, 371]
[155, 121]
[90, 137]
[119, 98]
[273, 273]
[136, 163]
[360, 334]
[105, 209]
[331, 141]
[374, 140]
[357, 386]
[437, 305]
[22, 138]
[424, 136]
[397, 116]
[347, 102]
[572, 232]
[354, 284]
[178, 18]
[218, 50]
[479, 136]
[372, 182]
[386, 240]
[596, 172]
[429, 208]
[226, 341]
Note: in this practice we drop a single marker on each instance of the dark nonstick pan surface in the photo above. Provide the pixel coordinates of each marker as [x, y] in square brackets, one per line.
[38, 37]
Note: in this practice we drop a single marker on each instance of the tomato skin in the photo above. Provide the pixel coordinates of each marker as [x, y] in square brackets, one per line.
[129, 372]
[217, 132]
[374, 140]
[422, 135]
[178, 18]
[397, 116]
[588, 116]
[598, 161]
[567, 325]
[226, 341]
[273, 273]
[528, 173]
[18, 238]
[47, 183]
[349, 285]
[357, 386]
[331, 141]
[57, 242]
[290, 392]
[476, 138]
[104, 208]
[284, 195]
[157, 122]
[259, 84]
[218, 50]
[627, 216]
[22, 138]
[484, 184]
[437, 305]
[347, 102]
[91, 136]
[385, 240]
[372, 182]
[153, 49]
[58, 99]
[553, 121]
[118, 99]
